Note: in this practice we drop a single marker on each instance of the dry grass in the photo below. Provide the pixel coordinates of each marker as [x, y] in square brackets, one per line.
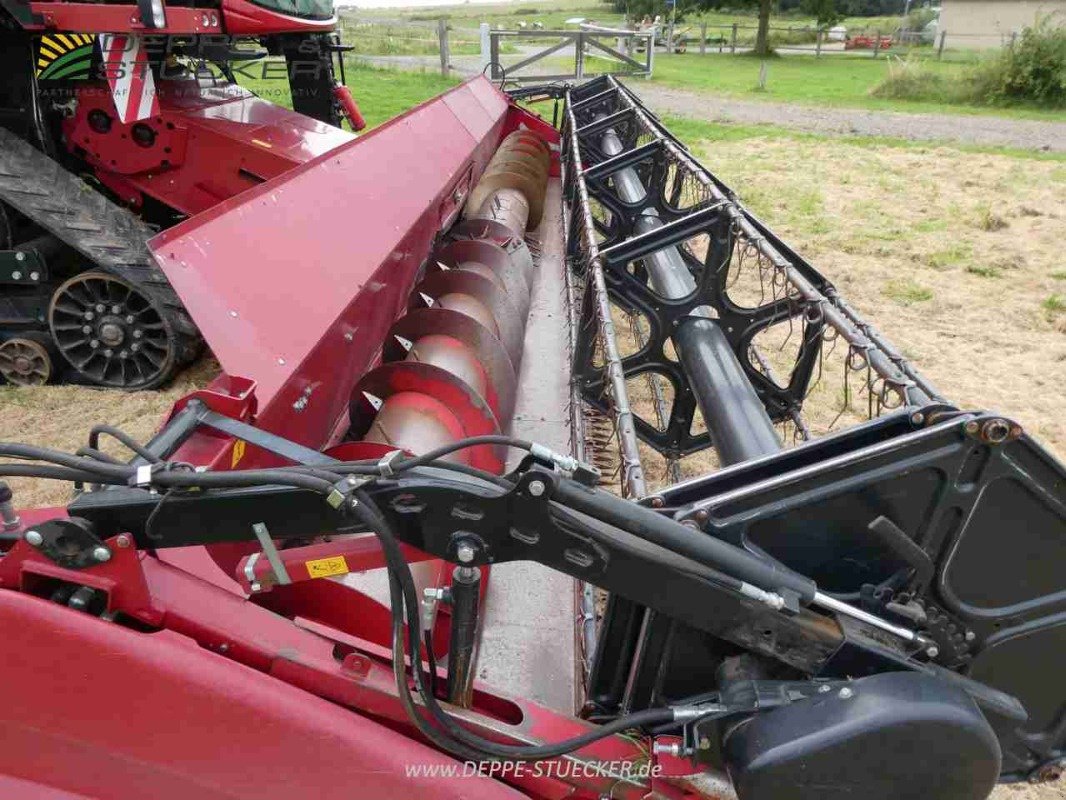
[61, 416]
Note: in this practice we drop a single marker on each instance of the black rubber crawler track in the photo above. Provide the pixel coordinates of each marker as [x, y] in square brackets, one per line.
[110, 237]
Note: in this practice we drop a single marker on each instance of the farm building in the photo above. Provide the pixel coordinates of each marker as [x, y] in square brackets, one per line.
[991, 23]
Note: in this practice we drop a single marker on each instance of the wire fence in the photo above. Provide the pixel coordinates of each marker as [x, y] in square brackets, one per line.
[426, 40]
[867, 41]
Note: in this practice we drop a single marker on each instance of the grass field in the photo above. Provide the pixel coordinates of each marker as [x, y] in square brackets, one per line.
[835, 79]
[828, 81]
[554, 13]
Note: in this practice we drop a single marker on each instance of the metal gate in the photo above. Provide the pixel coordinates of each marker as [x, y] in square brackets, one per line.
[582, 52]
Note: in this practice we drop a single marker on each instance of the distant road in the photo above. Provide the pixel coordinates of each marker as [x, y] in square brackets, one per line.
[962, 128]
[973, 129]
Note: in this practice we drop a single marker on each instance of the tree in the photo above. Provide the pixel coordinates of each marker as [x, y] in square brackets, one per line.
[824, 11]
[765, 7]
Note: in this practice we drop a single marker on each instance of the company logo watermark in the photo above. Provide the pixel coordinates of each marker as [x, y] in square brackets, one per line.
[563, 769]
[76, 56]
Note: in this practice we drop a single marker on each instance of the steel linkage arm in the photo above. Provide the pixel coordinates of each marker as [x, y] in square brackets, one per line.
[542, 516]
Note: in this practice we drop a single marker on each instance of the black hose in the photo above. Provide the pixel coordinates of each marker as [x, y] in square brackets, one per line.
[124, 438]
[32, 453]
[466, 743]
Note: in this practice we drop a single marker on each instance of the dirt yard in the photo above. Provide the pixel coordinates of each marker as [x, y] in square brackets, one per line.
[955, 256]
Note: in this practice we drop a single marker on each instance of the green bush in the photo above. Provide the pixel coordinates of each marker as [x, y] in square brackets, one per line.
[1032, 71]
[919, 18]
[912, 79]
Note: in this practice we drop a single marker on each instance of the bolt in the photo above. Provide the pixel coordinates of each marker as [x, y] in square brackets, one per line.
[100, 308]
[137, 334]
[300, 404]
[129, 319]
[825, 687]
[537, 488]
[35, 276]
[932, 651]
[123, 540]
[972, 427]
[349, 337]
[845, 693]
[101, 554]
[124, 354]
[86, 329]
[116, 309]
[970, 636]
[88, 315]
[664, 749]
[996, 430]
[918, 418]
[94, 344]
[224, 647]
[20, 256]
[657, 502]
[34, 538]
[16, 275]
[135, 347]
[465, 553]
[109, 352]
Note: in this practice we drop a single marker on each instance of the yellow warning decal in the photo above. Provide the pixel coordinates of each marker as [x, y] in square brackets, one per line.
[324, 567]
[238, 452]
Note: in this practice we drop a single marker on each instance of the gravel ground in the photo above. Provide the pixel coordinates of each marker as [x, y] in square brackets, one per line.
[964, 129]
[968, 129]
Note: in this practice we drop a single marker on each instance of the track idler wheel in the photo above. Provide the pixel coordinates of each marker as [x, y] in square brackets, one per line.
[111, 333]
[27, 360]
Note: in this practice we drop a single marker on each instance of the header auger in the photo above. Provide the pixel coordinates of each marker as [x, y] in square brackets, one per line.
[416, 539]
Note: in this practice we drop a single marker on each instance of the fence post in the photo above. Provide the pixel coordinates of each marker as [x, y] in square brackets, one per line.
[818, 43]
[650, 50]
[877, 41]
[1013, 38]
[486, 57]
[579, 56]
[703, 38]
[940, 48]
[733, 41]
[442, 37]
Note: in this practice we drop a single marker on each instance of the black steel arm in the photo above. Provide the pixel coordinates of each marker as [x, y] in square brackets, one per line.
[588, 534]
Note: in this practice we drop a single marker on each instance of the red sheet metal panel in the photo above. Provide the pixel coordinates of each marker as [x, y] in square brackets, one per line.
[96, 710]
[295, 283]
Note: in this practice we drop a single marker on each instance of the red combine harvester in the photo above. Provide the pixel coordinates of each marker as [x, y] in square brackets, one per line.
[142, 101]
[368, 559]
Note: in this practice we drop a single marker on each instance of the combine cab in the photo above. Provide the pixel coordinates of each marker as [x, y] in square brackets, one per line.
[411, 542]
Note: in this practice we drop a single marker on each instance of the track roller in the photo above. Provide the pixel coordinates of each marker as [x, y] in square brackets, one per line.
[27, 360]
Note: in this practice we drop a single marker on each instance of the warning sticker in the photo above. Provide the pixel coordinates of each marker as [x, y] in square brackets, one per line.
[238, 452]
[324, 567]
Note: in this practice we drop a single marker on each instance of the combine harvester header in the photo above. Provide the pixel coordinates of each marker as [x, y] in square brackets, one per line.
[458, 354]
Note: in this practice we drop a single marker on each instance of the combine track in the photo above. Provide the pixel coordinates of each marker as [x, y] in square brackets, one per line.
[108, 236]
